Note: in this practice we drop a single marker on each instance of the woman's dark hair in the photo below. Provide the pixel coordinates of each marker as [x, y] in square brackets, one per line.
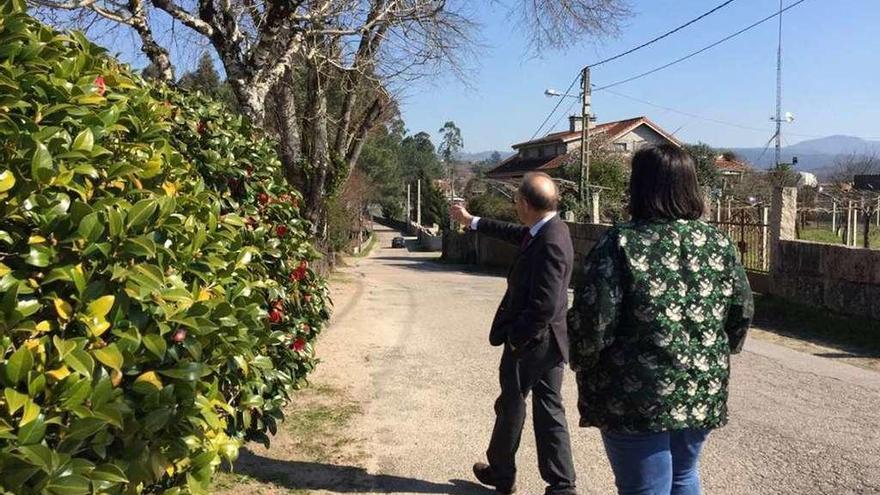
[664, 185]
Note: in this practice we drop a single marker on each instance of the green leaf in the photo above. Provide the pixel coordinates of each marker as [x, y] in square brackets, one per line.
[155, 344]
[40, 256]
[19, 364]
[84, 141]
[64, 347]
[141, 212]
[100, 307]
[156, 420]
[38, 455]
[83, 428]
[187, 371]
[41, 164]
[110, 357]
[109, 472]
[14, 400]
[73, 484]
[32, 432]
[115, 221]
[140, 246]
[7, 181]
[91, 227]
[81, 362]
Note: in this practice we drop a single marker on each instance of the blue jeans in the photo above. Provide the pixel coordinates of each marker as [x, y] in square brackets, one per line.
[664, 463]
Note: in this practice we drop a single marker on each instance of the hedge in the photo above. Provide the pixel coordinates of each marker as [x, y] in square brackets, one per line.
[157, 304]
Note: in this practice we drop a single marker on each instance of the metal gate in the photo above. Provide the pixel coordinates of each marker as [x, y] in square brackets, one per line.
[749, 229]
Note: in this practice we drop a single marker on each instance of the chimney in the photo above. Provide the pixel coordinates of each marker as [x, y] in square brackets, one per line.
[575, 123]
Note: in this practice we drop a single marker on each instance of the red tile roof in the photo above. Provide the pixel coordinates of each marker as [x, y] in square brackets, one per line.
[612, 129]
[726, 165]
[517, 166]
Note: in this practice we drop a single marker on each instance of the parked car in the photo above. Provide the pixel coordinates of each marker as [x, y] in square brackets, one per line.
[398, 242]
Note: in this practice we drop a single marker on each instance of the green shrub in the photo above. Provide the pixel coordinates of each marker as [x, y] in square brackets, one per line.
[493, 205]
[157, 304]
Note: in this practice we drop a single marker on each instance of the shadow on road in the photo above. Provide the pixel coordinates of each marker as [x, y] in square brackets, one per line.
[298, 475]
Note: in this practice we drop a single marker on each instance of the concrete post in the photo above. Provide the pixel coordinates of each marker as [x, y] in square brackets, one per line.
[765, 238]
[718, 210]
[594, 212]
[408, 215]
[834, 217]
[783, 221]
[419, 202]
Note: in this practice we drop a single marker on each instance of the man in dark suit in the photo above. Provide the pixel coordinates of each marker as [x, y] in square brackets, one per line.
[531, 325]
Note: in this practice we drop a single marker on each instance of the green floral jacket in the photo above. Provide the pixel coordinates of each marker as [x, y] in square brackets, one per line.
[661, 308]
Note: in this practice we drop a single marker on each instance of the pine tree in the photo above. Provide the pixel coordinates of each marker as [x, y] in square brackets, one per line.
[205, 78]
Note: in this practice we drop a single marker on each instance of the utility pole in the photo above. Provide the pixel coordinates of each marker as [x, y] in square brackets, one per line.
[408, 207]
[419, 202]
[779, 91]
[585, 135]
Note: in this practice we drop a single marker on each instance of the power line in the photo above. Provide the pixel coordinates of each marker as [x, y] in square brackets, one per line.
[693, 54]
[623, 54]
[719, 121]
[664, 35]
[556, 107]
[688, 114]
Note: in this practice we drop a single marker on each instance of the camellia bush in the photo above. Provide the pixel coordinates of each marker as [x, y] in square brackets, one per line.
[158, 306]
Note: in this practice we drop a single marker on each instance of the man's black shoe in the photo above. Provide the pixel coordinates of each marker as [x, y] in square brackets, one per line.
[486, 476]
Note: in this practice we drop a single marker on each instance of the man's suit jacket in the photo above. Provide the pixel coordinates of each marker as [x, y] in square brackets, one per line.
[536, 300]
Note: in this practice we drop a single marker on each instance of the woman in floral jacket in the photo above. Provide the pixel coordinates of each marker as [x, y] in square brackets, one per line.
[665, 301]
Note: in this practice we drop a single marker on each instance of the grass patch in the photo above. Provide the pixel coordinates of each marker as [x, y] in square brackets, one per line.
[317, 423]
[859, 336]
[368, 248]
[827, 236]
[315, 432]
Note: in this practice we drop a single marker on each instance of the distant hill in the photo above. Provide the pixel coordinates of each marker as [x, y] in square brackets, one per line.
[814, 155]
[480, 156]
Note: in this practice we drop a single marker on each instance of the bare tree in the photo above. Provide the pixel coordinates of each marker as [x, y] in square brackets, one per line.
[848, 166]
[561, 23]
[317, 73]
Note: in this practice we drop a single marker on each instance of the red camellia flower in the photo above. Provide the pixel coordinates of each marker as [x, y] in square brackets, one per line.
[281, 230]
[298, 345]
[263, 198]
[300, 272]
[179, 335]
[201, 127]
[100, 86]
[275, 316]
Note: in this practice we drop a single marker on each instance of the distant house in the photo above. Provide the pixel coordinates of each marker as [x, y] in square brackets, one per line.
[549, 153]
[731, 170]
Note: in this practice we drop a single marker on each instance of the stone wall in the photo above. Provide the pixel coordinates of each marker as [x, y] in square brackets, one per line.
[473, 248]
[840, 278]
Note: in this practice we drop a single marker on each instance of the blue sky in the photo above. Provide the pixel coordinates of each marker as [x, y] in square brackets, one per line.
[831, 74]
[830, 64]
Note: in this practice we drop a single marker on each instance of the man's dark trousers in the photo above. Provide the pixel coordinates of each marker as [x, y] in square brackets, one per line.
[539, 371]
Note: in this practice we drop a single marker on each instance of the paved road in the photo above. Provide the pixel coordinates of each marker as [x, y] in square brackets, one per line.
[410, 340]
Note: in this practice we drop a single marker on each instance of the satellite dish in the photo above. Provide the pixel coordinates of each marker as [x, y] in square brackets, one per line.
[789, 117]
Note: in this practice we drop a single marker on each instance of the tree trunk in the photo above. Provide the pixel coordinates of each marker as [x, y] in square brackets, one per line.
[285, 120]
[155, 53]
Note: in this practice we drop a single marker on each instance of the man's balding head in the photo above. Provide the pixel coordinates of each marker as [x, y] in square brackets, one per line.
[540, 192]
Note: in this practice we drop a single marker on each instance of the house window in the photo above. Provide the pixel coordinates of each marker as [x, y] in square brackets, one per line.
[620, 147]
